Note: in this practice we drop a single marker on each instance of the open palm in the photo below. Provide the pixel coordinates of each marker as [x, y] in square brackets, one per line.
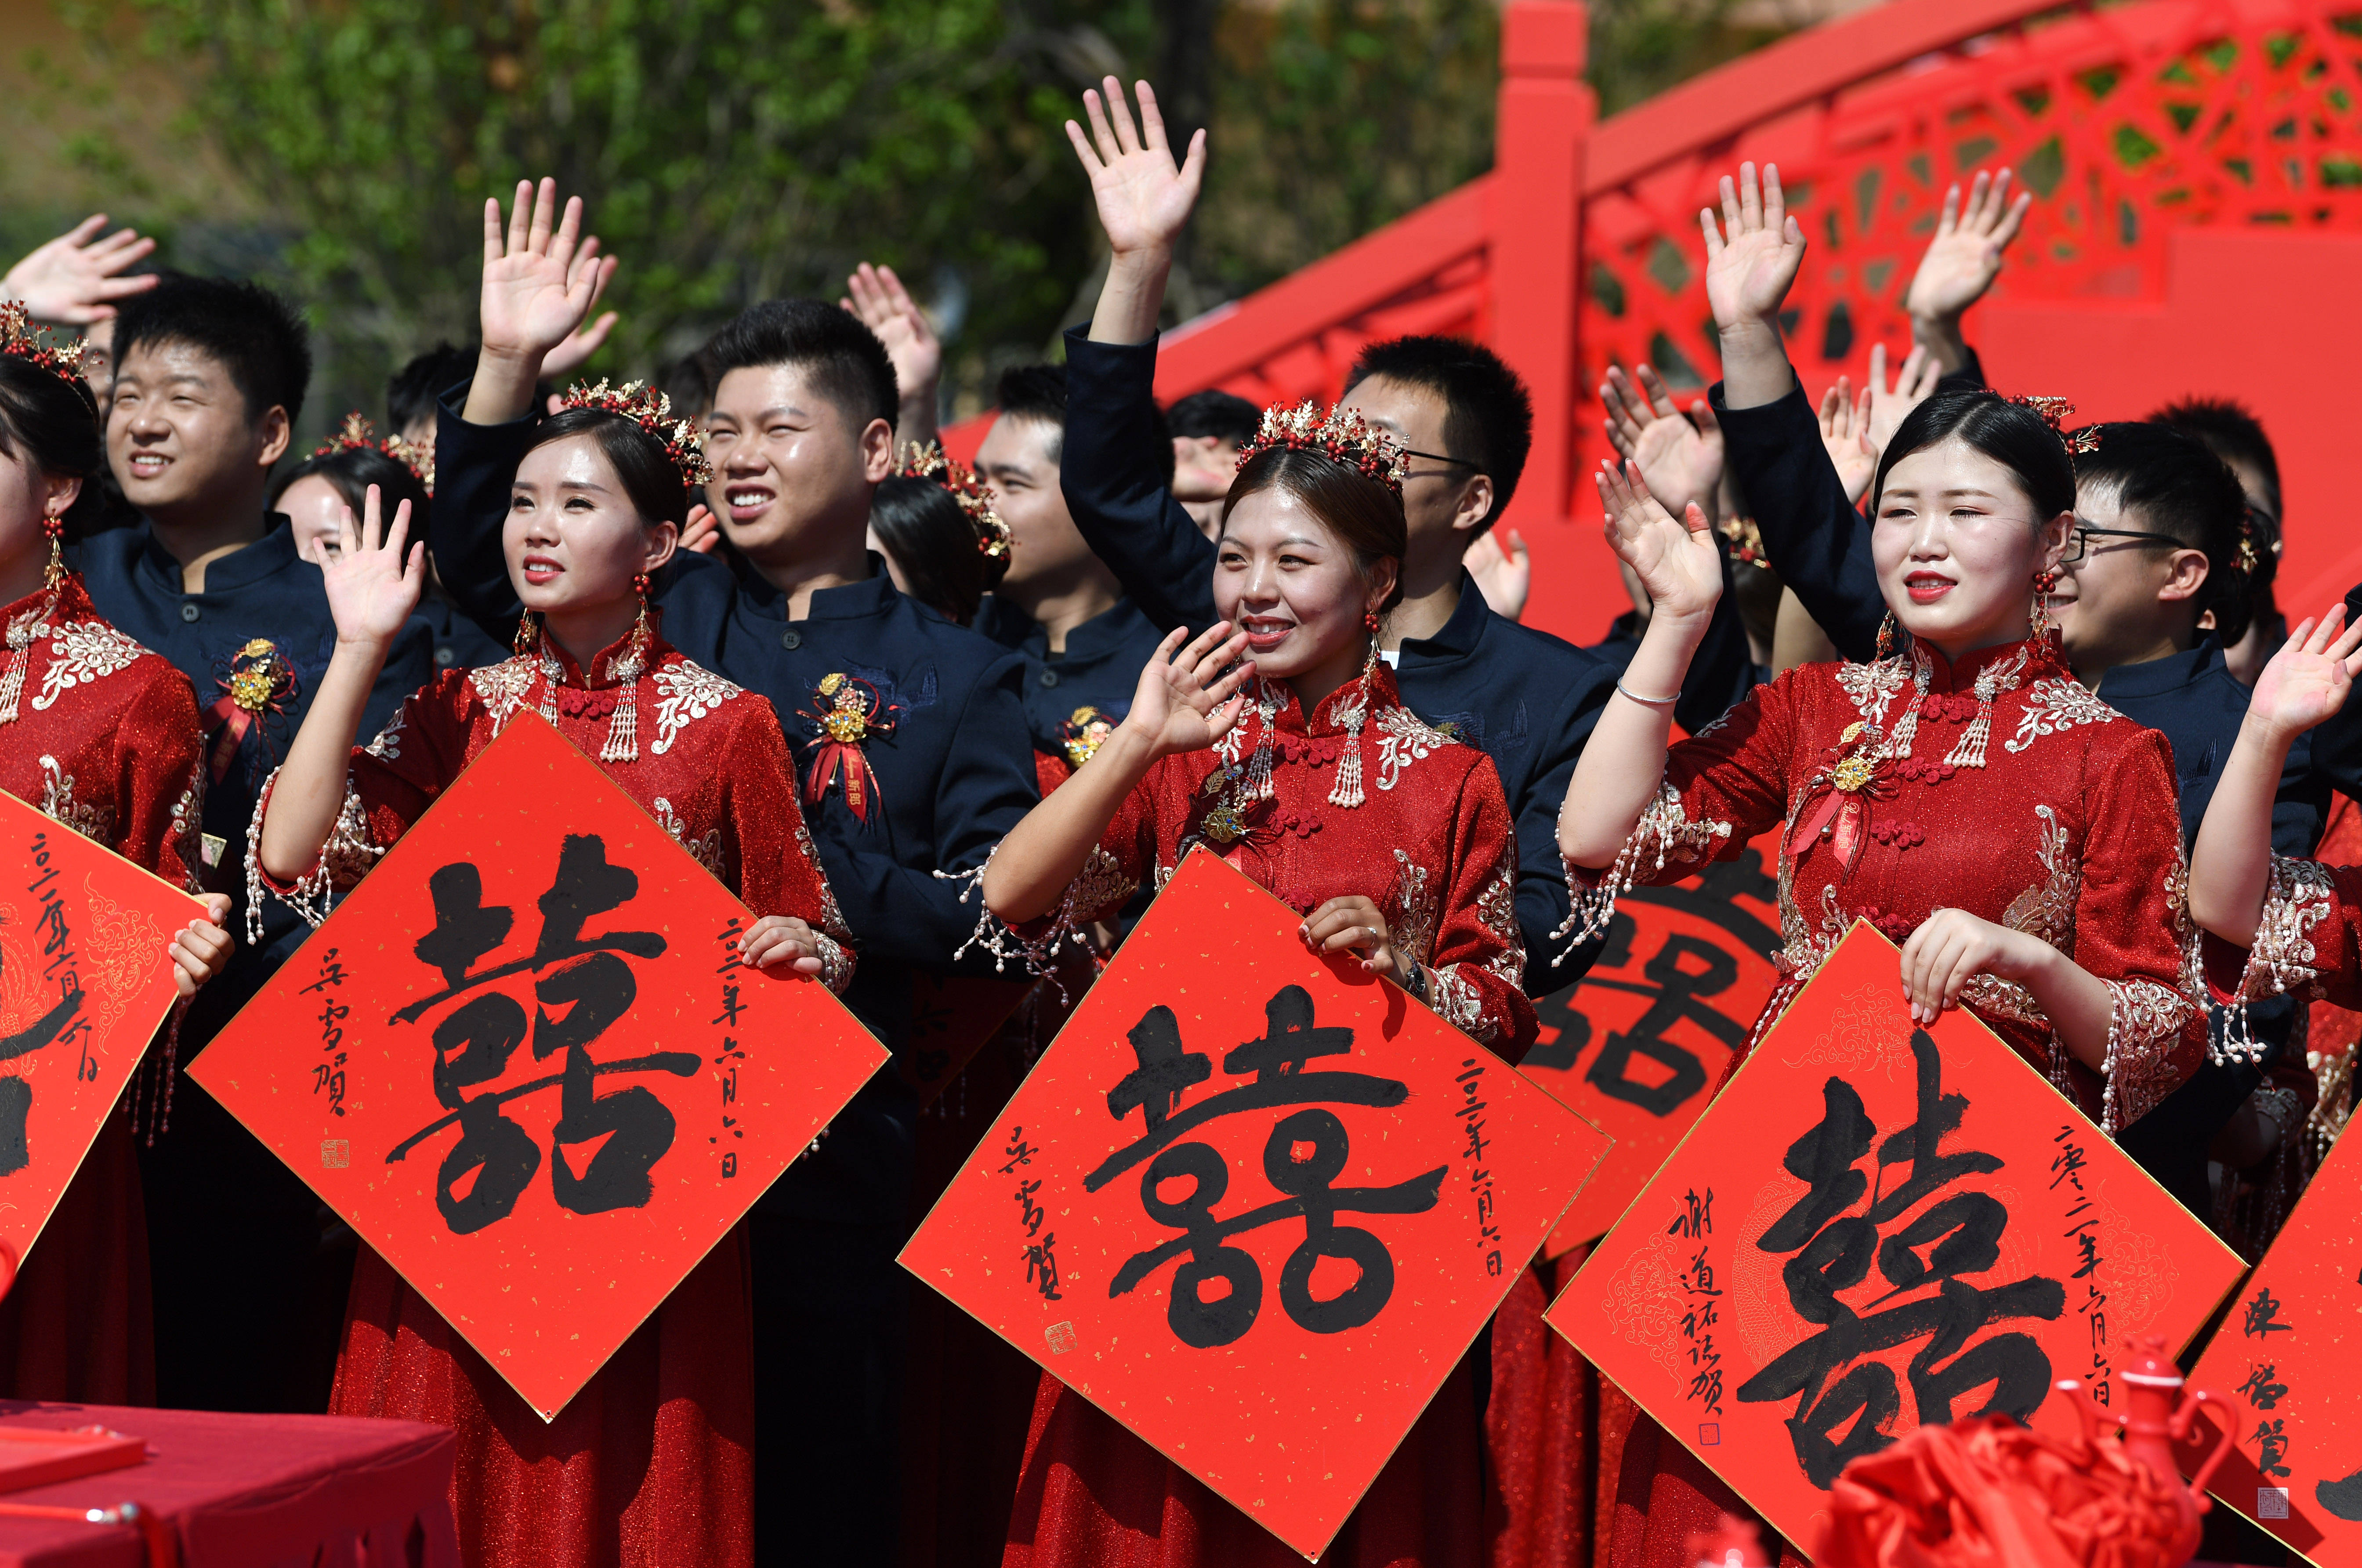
[1965, 257]
[1178, 705]
[1680, 462]
[1677, 561]
[373, 584]
[542, 278]
[1144, 198]
[1753, 258]
[2311, 675]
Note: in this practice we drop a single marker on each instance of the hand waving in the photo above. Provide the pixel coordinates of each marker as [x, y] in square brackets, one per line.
[1914, 384]
[372, 587]
[575, 351]
[885, 306]
[1965, 257]
[73, 280]
[1679, 461]
[1677, 562]
[1504, 572]
[1845, 433]
[1752, 258]
[1179, 705]
[2308, 680]
[540, 284]
[1143, 199]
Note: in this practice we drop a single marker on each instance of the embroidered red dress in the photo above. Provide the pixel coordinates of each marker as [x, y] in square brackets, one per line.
[1997, 785]
[101, 735]
[651, 1465]
[1366, 799]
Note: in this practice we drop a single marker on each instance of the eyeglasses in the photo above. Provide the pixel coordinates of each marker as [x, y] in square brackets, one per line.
[1440, 457]
[2079, 540]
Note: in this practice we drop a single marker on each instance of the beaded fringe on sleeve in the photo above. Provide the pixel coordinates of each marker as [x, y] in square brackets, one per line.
[1102, 885]
[344, 860]
[2281, 961]
[1664, 836]
[2145, 1019]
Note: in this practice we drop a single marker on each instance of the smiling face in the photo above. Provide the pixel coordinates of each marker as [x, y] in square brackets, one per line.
[793, 474]
[1286, 579]
[1956, 546]
[180, 436]
[316, 512]
[1019, 460]
[2126, 597]
[572, 539]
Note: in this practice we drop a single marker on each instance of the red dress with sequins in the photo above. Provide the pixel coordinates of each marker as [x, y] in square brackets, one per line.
[101, 735]
[1997, 785]
[651, 1465]
[1432, 843]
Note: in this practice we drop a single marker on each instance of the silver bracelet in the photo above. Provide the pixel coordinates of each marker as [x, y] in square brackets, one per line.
[1646, 702]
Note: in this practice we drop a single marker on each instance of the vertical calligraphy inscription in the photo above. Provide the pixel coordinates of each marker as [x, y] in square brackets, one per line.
[1040, 1246]
[1700, 1308]
[730, 1055]
[1302, 1157]
[622, 1132]
[2066, 1169]
[1471, 1079]
[1845, 1223]
[329, 1072]
[61, 1022]
[2260, 1320]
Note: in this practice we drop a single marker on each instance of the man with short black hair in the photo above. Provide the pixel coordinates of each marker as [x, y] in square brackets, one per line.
[2236, 437]
[1058, 606]
[1209, 428]
[801, 434]
[210, 376]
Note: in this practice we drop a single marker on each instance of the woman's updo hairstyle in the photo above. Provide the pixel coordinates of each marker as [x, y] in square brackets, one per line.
[933, 541]
[651, 479]
[52, 424]
[2011, 434]
[352, 470]
[1367, 514]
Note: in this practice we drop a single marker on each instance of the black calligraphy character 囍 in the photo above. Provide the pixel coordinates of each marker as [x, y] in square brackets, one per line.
[1302, 1158]
[2262, 1320]
[494, 1159]
[1834, 1250]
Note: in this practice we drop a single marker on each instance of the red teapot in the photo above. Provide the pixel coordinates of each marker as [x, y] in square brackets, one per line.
[2157, 1412]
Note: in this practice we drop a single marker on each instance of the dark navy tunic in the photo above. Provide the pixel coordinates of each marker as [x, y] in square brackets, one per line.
[1523, 697]
[1099, 668]
[248, 1279]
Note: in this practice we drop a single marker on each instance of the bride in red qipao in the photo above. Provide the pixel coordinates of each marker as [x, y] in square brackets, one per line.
[652, 1462]
[1276, 740]
[102, 735]
[1967, 796]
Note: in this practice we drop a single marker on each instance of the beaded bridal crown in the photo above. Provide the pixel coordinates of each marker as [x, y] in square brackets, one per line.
[20, 339]
[974, 497]
[1342, 436]
[652, 412]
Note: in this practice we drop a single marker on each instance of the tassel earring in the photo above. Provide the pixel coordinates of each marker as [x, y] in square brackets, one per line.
[1347, 792]
[2042, 624]
[33, 623]
[1886, 636]
[528, 634]
[624, 729]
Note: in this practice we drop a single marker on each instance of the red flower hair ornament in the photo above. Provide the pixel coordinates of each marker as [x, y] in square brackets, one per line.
[974, 497]
[357, 435]
[652, 412]
[1342, 436]
[21, 340]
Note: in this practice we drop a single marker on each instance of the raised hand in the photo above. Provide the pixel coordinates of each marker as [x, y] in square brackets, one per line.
[1680, 461]
[1845, 434]
[885, 306]
[573, 353]
[1912, 384]
[542, 276]
[1144, 198]
[2308, 680]
[703, 534]
[1184, 702]
[373, 585]
[1965, 256]
[1677, 562]
[1505, 576]
[1752, 258]
[76, 278]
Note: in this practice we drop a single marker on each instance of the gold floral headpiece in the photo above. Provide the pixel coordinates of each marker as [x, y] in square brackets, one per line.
[20, 339]
[2056, 412]
[652, 412]
[974, 497]
[1342, 436]
[1745, 541]
[357, 435]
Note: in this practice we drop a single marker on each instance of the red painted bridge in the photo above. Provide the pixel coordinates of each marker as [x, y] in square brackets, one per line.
[2197, 229]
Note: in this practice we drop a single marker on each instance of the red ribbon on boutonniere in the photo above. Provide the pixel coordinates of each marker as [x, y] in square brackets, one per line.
[1835, 804]
[845, 711]
[258, 686]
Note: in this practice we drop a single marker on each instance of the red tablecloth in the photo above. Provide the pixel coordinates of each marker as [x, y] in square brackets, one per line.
[249, 1492]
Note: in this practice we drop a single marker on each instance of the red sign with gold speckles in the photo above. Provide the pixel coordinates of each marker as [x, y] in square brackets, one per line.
[523, 1061]
[1254, 1204]
[1876, 1226]
[86, 976]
